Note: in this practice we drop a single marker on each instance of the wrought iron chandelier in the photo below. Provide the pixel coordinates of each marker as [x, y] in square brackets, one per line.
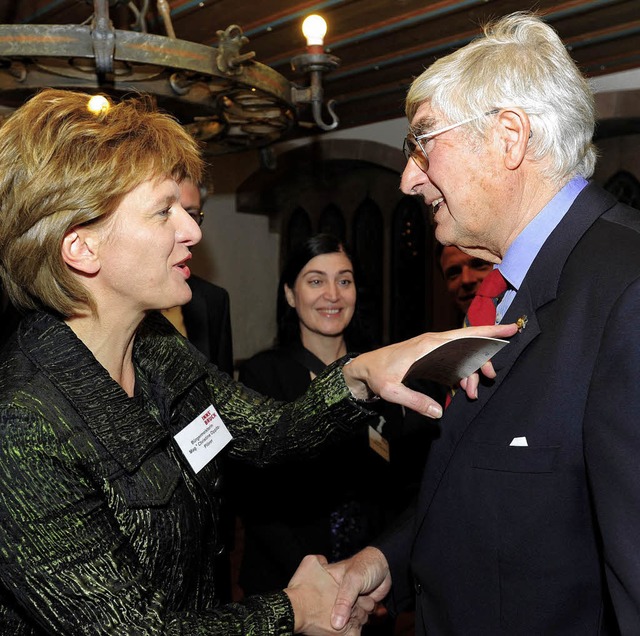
[225, 98]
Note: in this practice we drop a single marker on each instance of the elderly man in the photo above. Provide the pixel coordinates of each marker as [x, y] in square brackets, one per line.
[528, 516]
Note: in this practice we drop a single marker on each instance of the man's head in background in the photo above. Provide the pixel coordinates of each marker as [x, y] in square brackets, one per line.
[192, 197]
[462, 274]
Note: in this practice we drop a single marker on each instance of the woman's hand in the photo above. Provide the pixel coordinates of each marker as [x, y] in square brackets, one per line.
[380, 372]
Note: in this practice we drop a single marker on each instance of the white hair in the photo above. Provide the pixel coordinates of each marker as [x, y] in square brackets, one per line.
[519, 62]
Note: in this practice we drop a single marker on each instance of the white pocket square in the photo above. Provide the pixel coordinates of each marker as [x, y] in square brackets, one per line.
[519, 441]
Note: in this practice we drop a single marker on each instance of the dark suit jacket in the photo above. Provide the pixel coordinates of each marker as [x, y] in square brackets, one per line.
[542, 539]
[208, 322]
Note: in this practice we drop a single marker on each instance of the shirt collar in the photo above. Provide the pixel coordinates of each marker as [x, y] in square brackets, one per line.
[524, 249]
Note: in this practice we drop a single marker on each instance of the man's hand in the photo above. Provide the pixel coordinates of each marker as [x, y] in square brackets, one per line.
[381, 371]
[312, 592]
[364, 581]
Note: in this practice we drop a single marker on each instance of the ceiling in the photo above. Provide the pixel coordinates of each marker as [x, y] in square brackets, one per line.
[382, 44]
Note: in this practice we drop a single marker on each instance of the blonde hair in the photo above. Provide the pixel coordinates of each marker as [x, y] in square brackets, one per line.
[62, 166]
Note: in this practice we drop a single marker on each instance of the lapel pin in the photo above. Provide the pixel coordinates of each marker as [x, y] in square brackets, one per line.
[522, 323]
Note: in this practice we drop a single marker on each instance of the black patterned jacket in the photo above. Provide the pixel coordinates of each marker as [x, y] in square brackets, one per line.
[104, 527]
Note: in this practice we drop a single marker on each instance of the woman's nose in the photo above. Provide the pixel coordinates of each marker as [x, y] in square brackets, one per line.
[190, 231]
[332, 292]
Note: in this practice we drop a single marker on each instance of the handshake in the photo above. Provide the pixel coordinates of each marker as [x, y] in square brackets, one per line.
[337, 598]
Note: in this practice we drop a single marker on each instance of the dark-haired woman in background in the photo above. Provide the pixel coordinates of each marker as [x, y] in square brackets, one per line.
[337, 502]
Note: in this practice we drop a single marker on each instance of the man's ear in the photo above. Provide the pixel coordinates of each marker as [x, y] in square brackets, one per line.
[79, 250]
[515, 131]
[289, 295]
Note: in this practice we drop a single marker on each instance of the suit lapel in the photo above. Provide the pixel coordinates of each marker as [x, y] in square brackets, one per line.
[462, 411]
[539, 287]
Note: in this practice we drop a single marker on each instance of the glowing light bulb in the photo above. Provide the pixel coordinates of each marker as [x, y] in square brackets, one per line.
[98, 104]
[314, 28]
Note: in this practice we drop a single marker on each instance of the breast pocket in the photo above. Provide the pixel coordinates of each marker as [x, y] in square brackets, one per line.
[153, 484]
[514, 459]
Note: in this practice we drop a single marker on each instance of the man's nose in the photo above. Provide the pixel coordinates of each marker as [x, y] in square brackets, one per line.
[412, 178]
[467, 276]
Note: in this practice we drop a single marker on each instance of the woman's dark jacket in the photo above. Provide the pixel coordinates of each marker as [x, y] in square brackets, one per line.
[332, 504]
[104, 527]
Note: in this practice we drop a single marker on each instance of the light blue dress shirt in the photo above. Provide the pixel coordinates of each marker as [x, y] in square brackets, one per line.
[524, 249]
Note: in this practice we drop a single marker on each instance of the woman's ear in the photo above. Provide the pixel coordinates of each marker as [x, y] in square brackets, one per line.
[79, 250]
[290, 296]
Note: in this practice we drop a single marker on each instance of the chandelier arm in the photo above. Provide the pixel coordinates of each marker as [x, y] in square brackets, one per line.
[102, 37]
[316, 103]
[316, 109]
[140, 15]
[165, 11]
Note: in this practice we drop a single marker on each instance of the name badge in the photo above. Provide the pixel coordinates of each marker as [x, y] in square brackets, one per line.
[201, 440]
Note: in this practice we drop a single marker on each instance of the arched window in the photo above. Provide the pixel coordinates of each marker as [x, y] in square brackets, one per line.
[368, 248]
[298, 229]
[332, 222]
[408, 271]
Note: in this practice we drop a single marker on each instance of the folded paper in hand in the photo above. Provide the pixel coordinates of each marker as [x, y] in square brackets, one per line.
[455, 359]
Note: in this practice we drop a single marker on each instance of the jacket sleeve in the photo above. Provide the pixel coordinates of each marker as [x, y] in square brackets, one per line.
[395, 544]
[266, 431]
[612, 449]
[65, 562]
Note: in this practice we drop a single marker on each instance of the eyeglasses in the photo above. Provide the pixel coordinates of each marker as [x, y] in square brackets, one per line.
[196, 215]
[412, 143]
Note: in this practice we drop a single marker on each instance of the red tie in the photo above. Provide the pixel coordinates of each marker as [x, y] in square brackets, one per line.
[482, 310]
